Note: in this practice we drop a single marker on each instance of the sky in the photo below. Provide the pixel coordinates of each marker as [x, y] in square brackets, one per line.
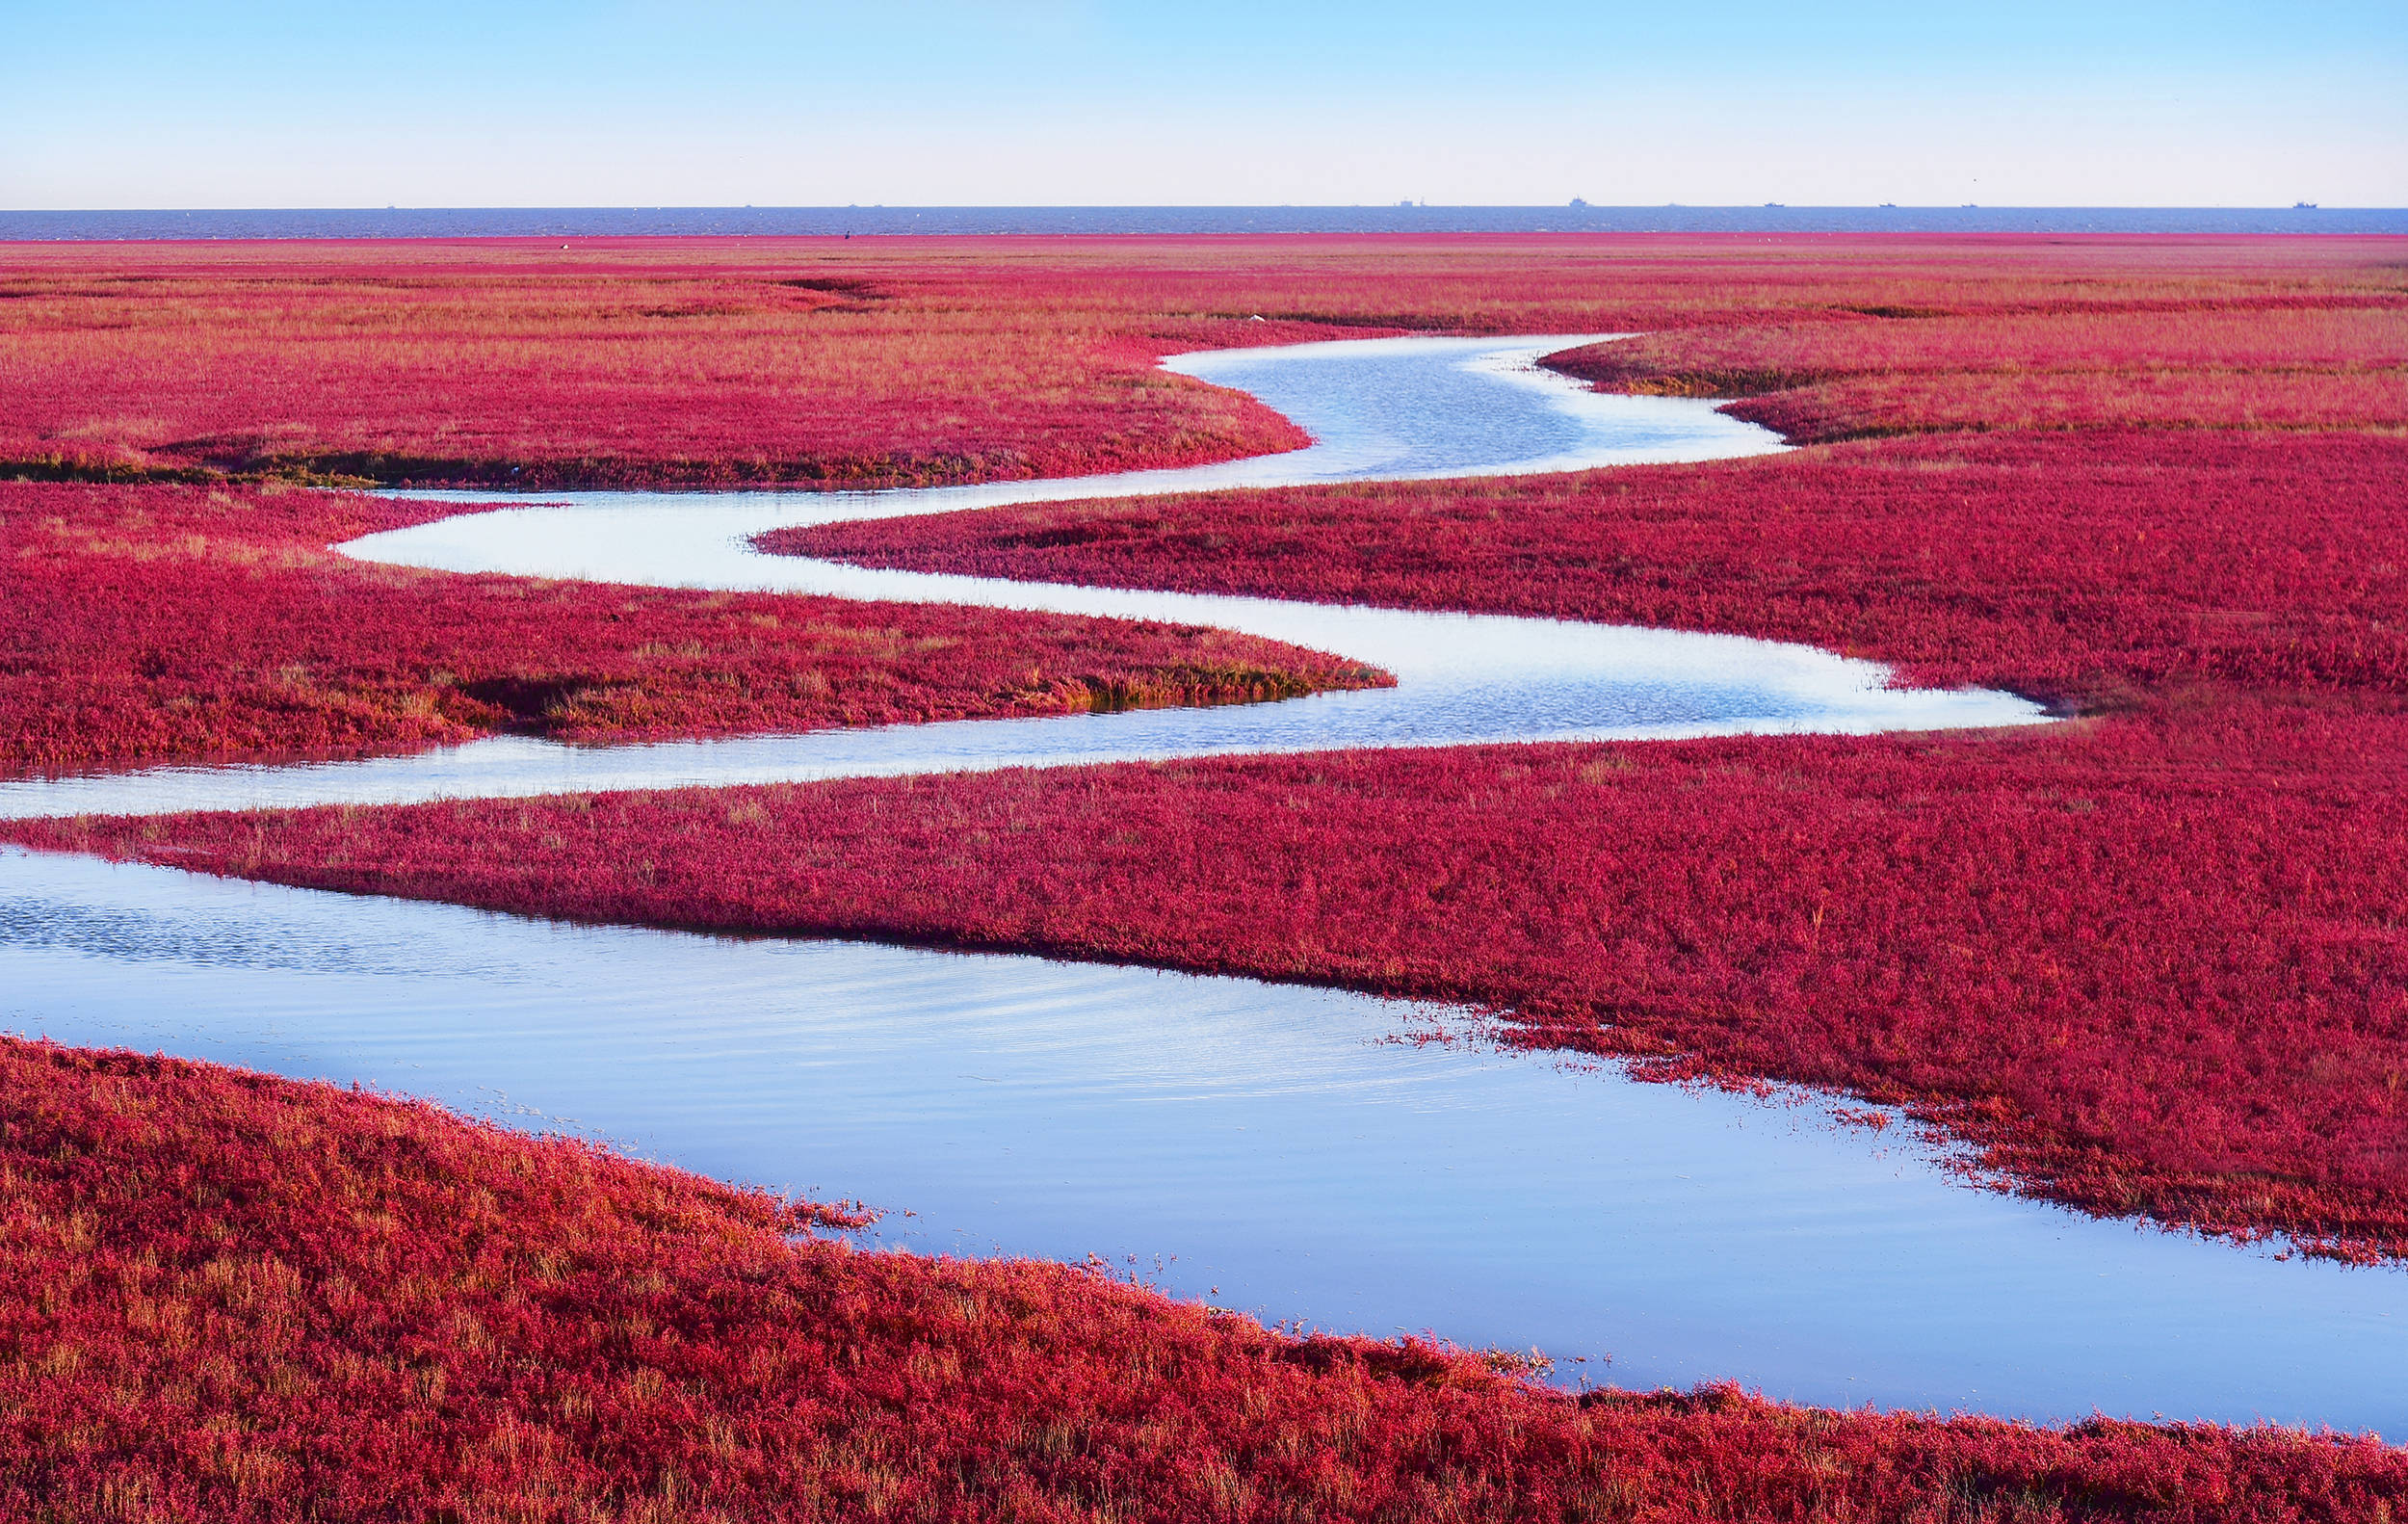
[202, 104]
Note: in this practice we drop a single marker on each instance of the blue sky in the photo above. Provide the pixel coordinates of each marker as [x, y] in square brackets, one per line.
[126, 103]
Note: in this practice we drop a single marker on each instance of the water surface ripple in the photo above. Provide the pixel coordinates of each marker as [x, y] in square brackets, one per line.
[1264, 1139]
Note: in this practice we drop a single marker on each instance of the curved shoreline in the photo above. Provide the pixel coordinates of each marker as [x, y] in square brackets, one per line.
[1381, 410]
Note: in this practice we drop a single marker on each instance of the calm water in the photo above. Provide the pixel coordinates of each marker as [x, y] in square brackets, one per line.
[1262, 1143]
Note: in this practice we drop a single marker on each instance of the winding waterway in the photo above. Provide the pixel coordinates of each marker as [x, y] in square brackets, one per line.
[1379, 409]
[1265, 1147]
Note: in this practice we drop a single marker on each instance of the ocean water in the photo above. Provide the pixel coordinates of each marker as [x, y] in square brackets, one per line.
[643, 222]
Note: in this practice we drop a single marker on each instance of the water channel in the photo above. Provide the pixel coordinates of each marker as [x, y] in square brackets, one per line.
[1269, 1148]
[1378, 409]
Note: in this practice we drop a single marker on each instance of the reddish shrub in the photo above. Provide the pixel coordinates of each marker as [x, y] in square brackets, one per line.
[228, 1296]
[157, 623]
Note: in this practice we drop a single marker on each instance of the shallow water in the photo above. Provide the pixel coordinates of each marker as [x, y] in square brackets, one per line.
[1264, 1135]
[1378, 409]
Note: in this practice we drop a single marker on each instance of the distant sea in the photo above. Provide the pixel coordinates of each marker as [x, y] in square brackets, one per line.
[606, 221]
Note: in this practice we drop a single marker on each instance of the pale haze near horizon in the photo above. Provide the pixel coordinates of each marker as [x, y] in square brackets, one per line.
[1079, 102]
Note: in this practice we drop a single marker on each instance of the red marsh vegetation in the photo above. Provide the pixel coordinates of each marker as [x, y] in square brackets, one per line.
[162, 624]
[2150, 962]
[647, 361]
[2149, 965]
[229, 1296]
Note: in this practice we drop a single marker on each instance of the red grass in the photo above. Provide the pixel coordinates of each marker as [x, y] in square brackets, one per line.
[156, 623]
[699, 360]
[228, 1296]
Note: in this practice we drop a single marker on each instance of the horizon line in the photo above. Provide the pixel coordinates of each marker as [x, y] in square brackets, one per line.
[1576, 205]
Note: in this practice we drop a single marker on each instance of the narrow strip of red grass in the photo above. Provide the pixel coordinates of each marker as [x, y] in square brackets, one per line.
[165, 624]
[2273, 358]
[228, 1296]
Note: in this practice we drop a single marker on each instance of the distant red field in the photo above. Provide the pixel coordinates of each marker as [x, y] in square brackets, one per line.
[230, 1297]
[624, 364]
[650, 361]
[176, 623]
